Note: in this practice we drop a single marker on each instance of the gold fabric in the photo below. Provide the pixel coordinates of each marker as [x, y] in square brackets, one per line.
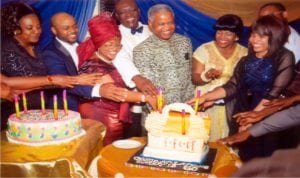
[64, 160]
[246, 9]
[113, 161]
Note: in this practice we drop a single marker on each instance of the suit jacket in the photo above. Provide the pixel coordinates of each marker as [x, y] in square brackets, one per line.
[59, 61]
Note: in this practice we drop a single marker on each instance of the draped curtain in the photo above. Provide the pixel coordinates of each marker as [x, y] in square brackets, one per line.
[82, 10]
[195, 18]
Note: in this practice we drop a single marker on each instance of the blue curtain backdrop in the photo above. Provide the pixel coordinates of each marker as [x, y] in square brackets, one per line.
[82, 10]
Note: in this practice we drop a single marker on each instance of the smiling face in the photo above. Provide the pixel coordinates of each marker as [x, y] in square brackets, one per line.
[110, 49]
[30, 29]
[162, 24]
[64, 27]
[127, 13]
[260, 44]
[225, 38]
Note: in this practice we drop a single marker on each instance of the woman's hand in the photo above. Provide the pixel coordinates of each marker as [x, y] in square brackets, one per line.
[63, 80]
[204, 103]
[213, 74]
[90, 79]
[280, 103]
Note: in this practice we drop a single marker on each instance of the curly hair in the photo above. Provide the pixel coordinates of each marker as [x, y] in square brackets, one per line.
[11, 15]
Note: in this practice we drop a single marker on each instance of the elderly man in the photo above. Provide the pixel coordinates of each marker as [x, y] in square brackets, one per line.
[165, 57]
[277, 9]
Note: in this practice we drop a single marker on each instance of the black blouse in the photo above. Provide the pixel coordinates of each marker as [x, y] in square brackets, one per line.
[16, 61]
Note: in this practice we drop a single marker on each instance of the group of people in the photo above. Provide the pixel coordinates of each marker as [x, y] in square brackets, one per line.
[118, 69]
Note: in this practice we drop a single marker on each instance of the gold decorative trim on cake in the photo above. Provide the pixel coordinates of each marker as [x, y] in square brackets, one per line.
[165, 137]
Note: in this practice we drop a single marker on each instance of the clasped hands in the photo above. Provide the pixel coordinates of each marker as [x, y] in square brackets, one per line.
[212, 74]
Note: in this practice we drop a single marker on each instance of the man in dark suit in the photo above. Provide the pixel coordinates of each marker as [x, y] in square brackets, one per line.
[60, 57]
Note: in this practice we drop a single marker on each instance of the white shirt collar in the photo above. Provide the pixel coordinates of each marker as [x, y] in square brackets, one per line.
[128, 30]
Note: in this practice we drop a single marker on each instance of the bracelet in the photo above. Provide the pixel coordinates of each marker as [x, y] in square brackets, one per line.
[143, 98]
[204, 78]
[49, 79]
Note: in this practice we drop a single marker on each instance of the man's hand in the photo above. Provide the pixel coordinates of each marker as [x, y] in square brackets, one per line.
[144, 85]
[112, 92]
[236, 138]
[106, 79]
[152, 101]
[89, 79]
[245, 118]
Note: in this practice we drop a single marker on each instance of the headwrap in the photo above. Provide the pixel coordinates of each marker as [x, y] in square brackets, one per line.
[102, 28]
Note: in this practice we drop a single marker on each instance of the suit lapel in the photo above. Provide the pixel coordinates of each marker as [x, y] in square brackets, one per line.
[70, 65]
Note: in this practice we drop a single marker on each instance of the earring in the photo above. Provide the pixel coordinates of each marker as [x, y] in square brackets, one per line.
[15, 33]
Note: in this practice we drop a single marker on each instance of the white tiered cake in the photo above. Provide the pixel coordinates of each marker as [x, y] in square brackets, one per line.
[165, 137]
[35, 129]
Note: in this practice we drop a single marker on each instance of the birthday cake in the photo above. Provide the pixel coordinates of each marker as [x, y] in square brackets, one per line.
[35, 128]
[173, 135]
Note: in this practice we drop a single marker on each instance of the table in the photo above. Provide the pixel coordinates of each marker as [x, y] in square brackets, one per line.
[65, 160]
[112, 163]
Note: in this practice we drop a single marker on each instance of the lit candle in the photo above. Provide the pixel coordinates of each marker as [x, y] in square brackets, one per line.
[17, 106]
[65, 102]
[43, 102]
[159, 99]
[55, 112]
[24, 102]
[196, 105]
[183, 122]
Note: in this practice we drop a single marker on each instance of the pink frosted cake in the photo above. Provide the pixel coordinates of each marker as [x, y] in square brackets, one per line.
[36, 129]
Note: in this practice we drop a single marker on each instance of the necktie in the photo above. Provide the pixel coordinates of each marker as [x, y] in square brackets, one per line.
[137, 30]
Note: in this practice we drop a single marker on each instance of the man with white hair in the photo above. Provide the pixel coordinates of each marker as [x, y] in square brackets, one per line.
[165, 56]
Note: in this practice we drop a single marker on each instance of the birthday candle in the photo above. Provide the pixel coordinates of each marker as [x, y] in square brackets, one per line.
[55, 112]
[159, 99]
[65, 102]
[196, 105]
[183, 122]
[42, 102]
[17, 106]
[24, 102]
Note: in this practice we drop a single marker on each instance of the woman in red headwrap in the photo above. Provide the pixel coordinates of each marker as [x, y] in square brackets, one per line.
[95, 56]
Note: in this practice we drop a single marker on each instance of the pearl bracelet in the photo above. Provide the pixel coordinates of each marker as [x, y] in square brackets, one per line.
[204, 78]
